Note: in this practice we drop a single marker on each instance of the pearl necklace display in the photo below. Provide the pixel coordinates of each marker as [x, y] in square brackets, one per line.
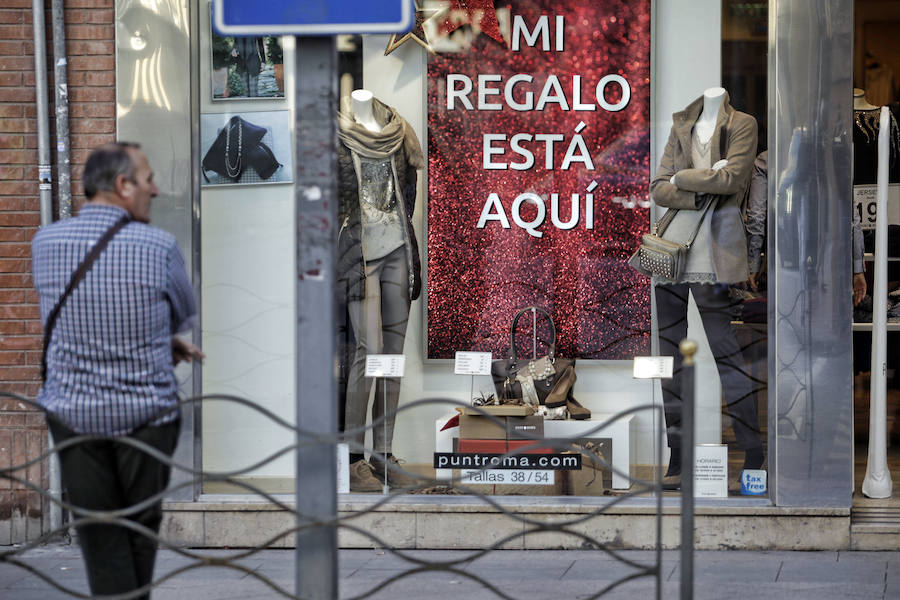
[234, 171]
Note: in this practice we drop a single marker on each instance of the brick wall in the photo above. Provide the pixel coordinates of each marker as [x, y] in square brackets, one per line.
[91, 83]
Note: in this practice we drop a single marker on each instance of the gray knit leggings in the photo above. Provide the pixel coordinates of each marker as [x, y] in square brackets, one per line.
[379, 325]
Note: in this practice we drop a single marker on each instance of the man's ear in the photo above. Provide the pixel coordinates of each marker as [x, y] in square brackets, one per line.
[122, 187]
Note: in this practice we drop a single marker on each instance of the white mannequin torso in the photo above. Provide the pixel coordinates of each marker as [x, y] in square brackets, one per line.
[362, 110]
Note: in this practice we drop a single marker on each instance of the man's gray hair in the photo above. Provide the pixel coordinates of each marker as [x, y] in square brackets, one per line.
[105, 164]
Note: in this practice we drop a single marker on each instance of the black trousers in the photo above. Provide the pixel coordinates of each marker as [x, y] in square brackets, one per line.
[714, 305]
[106, 475]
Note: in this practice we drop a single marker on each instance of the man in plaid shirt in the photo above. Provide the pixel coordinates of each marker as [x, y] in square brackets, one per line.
[110, 359]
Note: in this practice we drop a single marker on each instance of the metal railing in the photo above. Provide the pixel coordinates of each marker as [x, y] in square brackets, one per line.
[304, 522]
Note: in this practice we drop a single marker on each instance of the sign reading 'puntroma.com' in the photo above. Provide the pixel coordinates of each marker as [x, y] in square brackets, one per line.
[478, 460]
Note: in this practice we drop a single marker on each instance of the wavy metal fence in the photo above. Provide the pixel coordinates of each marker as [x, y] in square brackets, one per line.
[306, 522]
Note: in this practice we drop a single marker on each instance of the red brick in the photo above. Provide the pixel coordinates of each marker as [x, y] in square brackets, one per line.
[91, 94]
[21, 343]
[8, 265]
[89, 3]
[12, 172]
[84, 32]
[19, 219]
[91, 140]
[17, 4]
[33, 327]
[21, 311]
[16, 63]
[18, 374]
[17, 125]
[12, 110]
[8, 48]
[35, 420]
[12, 16]
[14, 251]
[99, 16]
[28, 78]
[10, 78]
[9, 234]
[12, 141]
[16, 420]
[100, 78]
[93, 110]
[16, 94]
[16, 32]
[12, 358]
[16, 188]
[92, 63]
[93, 47]
[91, 126]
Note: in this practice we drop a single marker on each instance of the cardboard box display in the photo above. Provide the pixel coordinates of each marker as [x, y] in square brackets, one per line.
[589, 481]
[500, 446]
[514, 428]
[502, 410]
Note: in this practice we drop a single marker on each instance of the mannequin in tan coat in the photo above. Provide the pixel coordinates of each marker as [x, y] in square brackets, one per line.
[710, 151]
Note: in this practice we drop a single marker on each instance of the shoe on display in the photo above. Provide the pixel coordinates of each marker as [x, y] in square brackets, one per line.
[362, 479]
[396, 477]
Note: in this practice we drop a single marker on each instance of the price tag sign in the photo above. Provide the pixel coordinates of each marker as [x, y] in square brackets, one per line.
[653, 367]
[473, 363]
[343, 468]
[385, 365]
[509, 476]
[864, 202]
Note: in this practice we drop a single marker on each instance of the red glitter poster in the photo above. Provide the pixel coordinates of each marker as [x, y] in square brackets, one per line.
[538, 167]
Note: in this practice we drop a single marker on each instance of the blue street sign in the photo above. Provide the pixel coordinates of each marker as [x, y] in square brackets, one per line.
[312, 17]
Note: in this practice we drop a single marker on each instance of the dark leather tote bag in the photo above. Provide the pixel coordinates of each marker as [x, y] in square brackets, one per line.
[516, 378]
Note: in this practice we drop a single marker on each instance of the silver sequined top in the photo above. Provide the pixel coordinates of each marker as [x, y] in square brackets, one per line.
[381, 221]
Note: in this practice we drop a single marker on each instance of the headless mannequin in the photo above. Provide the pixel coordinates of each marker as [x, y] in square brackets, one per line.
[379, 324]
[713, 98]
[710, 305]
[860, 102]
[362, 110]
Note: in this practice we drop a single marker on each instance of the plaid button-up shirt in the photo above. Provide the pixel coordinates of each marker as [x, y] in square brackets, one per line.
[109, 364]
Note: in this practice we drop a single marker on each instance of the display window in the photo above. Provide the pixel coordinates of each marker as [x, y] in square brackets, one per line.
[537, 202]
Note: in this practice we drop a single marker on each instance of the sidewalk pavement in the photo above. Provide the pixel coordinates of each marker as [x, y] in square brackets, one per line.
[537, 574]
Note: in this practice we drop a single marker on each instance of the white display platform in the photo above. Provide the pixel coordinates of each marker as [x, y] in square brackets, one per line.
[621, 431]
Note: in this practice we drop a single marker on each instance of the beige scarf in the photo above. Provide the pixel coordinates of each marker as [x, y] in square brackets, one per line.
[382, 144]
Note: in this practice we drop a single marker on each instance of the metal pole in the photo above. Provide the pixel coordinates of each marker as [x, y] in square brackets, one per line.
[315, 188]
[688, 348]
[61, 97]
[878, 482]
[45, 185]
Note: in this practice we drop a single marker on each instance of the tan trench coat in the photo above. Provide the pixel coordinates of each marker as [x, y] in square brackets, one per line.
[729, 241]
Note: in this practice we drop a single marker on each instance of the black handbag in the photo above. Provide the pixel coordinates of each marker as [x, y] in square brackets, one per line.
[238, 146]
[547, 379]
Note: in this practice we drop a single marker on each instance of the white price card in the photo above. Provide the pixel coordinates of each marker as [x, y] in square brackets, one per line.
[653, 367]
[864, 203]
[509, 476]
[343, 468]
[710, 471]
[473, 363]
[385, 365]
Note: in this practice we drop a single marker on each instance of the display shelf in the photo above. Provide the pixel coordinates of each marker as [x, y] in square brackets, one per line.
[868, 327]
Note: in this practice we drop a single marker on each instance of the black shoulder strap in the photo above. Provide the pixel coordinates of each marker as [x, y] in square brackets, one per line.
[77, 276]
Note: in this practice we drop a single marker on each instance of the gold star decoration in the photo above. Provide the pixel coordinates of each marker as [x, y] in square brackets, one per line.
[417, 33]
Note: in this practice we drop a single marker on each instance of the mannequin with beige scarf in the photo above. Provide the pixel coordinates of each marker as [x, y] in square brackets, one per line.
[378, 270]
